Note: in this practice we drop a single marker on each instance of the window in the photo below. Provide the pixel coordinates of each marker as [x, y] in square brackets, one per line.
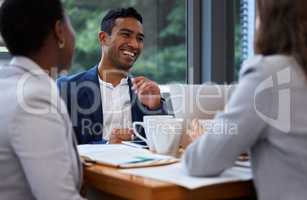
[4, 55]
[2, 46]
[3, 50]
[164, 58]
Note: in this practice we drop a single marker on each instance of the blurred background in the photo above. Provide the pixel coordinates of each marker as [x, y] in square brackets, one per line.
[186, 41]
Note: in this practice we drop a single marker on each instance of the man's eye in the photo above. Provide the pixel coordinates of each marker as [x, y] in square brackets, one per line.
[125, 34]
[141, 39]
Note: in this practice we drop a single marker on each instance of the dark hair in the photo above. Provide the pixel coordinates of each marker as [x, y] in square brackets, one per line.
[108, 21]
[283, 29]
[25, 24]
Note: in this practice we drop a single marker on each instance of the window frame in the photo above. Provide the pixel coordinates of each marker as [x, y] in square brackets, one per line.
[211, 44]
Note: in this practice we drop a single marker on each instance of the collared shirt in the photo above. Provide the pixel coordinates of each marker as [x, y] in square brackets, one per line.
[116, 106]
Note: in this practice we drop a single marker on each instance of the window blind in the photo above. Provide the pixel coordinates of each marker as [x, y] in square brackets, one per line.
[247, 20]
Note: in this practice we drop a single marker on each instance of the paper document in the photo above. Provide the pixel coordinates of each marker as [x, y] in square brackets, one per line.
[122, 156]
[175, 174]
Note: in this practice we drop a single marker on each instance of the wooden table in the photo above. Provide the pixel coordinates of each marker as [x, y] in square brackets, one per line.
[113, 184]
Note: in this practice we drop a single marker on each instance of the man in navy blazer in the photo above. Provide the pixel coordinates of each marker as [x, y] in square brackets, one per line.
[90, 96]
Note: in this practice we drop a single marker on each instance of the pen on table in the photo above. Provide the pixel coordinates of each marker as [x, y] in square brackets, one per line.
[141, 159]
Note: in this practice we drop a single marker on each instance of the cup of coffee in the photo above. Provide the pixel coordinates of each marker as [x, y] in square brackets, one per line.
[168, 135]
[149, 124]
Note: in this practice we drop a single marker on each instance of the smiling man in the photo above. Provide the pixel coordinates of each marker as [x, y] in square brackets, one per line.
[104, 101]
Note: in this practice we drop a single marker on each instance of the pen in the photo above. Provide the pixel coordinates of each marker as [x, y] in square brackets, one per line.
[141, 159]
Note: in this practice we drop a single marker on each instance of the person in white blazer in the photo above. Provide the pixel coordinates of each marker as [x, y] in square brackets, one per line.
[267, 113]
[38, 154]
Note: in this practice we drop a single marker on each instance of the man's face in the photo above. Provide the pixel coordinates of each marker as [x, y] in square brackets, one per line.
[125, 44]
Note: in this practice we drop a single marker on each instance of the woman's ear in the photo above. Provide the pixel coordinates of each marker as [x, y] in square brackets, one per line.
[59, 34]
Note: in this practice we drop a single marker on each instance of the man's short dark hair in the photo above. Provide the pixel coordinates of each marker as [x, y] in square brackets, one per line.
[108, 21]
[25, 24]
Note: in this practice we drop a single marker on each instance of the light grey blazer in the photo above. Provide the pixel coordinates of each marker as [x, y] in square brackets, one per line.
[266, 115]
[38, 155]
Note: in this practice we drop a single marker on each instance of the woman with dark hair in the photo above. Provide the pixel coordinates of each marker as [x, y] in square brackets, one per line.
[38, 155]
[266, 114]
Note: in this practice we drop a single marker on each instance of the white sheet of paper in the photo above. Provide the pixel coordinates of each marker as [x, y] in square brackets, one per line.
[116, 154]
[175, 174]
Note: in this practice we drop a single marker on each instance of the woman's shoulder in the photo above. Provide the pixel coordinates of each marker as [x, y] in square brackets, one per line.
[265, 65]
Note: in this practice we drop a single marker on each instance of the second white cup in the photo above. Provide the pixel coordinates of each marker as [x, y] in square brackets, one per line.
[149, 124]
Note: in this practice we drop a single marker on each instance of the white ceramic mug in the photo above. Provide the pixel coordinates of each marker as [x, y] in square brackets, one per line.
[167, 136]
[149, 123]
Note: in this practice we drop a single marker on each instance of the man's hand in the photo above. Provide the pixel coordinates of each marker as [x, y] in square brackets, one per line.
[148, 92]
[119, 135]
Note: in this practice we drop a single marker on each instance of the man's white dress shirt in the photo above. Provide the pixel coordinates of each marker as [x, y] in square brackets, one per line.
[116, 106]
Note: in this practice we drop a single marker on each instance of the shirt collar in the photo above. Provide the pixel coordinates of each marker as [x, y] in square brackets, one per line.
[123, 81]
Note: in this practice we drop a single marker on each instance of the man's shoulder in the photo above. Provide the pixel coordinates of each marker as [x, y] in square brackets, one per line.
[79, 77]
[74, 77]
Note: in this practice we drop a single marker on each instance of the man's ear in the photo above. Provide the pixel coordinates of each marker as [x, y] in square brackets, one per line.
[104, 38]
[59, 33]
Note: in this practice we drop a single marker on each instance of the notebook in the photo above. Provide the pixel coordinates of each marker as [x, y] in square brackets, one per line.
[122, 156]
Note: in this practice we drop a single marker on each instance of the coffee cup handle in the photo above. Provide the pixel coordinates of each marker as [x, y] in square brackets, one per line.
[136, 131]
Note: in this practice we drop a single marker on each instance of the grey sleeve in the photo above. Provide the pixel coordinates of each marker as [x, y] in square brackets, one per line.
[232, 132]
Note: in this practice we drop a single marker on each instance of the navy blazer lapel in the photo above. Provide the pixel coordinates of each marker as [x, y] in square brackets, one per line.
[89, 95]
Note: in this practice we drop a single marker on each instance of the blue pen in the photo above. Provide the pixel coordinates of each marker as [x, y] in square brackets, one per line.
[141, 159]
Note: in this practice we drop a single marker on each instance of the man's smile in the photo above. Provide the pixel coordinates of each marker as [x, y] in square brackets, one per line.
[130, 54]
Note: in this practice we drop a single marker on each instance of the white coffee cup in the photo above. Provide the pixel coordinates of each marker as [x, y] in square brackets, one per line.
[149, 123]
[167, 136]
